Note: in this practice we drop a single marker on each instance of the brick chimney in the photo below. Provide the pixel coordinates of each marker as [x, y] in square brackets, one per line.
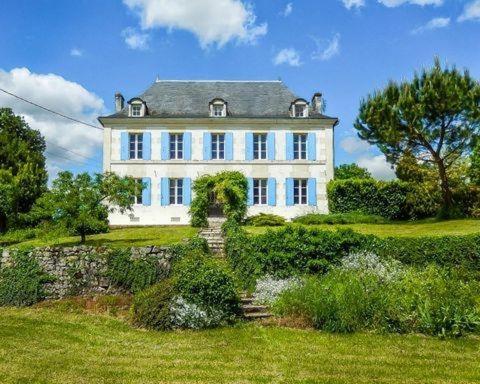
[317, 102]
[119, 102]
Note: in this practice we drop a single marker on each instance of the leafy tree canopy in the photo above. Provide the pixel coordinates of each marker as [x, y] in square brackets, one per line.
[351, 171]
[474, 171]
[434, 117]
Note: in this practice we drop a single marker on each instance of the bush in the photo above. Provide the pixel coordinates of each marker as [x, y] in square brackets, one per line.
[266, 220]
[339, 218]
[151, 307]
[22, 282]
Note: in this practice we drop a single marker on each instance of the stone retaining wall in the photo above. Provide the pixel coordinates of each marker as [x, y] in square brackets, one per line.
[83, 269]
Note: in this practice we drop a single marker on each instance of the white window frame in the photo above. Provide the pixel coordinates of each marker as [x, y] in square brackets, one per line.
[137, 146]
[218, 109]
[300, 146]
[300, 191]
[175, 191]
[260, 191]
[296, 112]
[218, 146]
[176, 141]
[260, 142]
[138, 196]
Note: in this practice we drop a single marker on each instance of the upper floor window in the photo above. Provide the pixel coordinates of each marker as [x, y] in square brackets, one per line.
[300, 191]
[136, 110]
[299, 146]
[135, 146]
[137, 198]
[218, 108]
[137, 107]
[176, 191]
[218, 146]
[299, 108]
[176, 146]
[260, 146]
[260, 191]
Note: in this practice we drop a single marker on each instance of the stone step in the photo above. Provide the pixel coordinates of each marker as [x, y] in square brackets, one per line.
[257, 315]
[251, 308]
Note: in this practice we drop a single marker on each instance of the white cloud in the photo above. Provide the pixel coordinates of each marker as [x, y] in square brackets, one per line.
[396, 3]
[326, 49]
[436, 23]
[214, 22]
[377, 166]
[349, 4]
[76, 52]
[67, 97]
[288, 10]
[287, 56]
[353, 144]
[471, 11]
[135, 39]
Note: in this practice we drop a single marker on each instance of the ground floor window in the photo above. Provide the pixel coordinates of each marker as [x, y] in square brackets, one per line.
[137, 198]
[260, 191]
[176, 191]
[300, 191]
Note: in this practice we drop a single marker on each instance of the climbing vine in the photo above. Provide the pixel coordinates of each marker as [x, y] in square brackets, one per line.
[230, 189]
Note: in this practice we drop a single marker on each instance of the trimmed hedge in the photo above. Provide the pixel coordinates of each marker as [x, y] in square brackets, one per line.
[265, 220]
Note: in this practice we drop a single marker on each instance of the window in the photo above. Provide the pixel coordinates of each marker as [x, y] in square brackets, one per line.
[176, 146]
[135, 145]
[299, 146]
[260, 146]
[218, 146]
[300, 191]
[260, 191]
[218, 110]
[176, 191]
[137, 198]
[136, 110]
[300, 110]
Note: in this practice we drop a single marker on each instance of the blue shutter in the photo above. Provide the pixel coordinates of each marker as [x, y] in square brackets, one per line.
[187, 146]
[289, 145]
[164, 191]
[165, 146]
[147, 146]
[250, 191]
[124, 152]
[312, 191]
[289, 191]
[187, 191]
[147, 191]
[311, 146]
[229, 146]
[249, 146]
[207, 146]
[271, 145]
[272, 191]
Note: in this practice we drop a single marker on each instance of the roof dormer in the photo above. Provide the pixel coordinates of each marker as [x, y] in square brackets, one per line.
[218, 108]
[299, 108]
[137, 107]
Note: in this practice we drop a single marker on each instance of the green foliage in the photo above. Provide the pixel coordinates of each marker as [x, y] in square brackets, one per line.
[474, 171]
[351, 171]
[22, 282]
[23, 175]
[151, 307]
[79, 203]
[230, 190]
[435, 118]
[266, 220]
[339, 218]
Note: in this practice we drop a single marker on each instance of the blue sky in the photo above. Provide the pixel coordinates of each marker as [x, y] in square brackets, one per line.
[73, 55]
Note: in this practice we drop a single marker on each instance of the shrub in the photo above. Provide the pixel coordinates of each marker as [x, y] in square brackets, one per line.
[22, 282]
[151, 307]
[186, 315]
[17, 236]
[266, 220]
[339, 218]
[268, 288]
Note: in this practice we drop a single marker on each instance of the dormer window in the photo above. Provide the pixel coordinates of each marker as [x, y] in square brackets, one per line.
[299, 108]
[218, 108]
[137, 107]
[136, 110]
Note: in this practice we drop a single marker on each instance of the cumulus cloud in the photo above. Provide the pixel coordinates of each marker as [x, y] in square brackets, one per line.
[288, 10]
[396, 3]
[349, 4]
[471, 11]
[436, 23]
[287, 56]
[61, 95]
[135, 39]
[377, 166]
[213, 22]
[326, 49]
[353, 144]
[75, 52]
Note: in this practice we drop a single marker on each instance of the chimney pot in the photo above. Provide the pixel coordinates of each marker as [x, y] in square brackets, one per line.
[317, 102]
[119, 102]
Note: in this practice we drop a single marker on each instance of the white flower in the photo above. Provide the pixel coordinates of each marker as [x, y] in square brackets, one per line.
[372, 263]
[189, 315]
[268, 288]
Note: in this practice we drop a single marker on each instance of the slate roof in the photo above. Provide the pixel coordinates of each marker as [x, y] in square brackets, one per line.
[184, 98]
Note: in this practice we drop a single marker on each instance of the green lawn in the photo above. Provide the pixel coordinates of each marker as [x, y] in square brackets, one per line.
[404, 228]
[121, 237]
[52, 346]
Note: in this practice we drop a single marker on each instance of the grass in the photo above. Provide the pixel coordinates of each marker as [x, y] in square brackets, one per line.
[119, 237]
[402, 228]
[54, 346]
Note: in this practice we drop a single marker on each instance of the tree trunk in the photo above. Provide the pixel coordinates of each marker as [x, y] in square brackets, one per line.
[447, 209]
[83, 238]
[3, 223]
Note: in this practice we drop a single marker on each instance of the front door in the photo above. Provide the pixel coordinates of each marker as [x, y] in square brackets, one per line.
[215, 208]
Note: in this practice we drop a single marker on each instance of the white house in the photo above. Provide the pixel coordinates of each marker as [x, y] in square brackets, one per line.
[177, 131]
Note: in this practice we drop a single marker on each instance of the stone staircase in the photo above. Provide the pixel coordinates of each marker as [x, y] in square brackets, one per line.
[214, 235]
[253, 311]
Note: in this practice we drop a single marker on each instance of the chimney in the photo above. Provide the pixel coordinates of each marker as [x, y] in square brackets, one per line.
[119, 102]
[317, 103]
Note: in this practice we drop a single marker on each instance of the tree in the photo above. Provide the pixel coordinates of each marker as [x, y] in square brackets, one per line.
[351, 171]
[21, 156]
[474, 171]
[81, 203]
[435, 117]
